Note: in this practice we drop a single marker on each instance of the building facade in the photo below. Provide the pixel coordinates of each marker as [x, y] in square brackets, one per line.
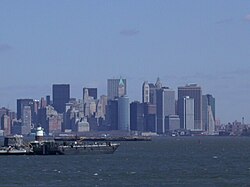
[116, 88]
[208, 113]
[61, 96]
[195, 92]
[188, 113]
[123, 113]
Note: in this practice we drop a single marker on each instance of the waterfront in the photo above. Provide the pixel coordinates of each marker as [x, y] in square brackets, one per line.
[166, 161]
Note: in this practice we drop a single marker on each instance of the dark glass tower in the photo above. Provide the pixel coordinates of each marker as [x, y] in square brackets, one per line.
[136, 116]
[61, 96]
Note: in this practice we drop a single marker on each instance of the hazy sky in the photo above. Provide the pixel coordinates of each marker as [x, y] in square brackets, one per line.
[84, 43]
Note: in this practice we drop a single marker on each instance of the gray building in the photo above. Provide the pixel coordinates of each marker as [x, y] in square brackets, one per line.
[145, 92]
[21, 103]
[165, 106]
[123, 113]
[116, 88]
[26, 120]
[188, 111]
[208, 113]
[195, 92]
[172, 122]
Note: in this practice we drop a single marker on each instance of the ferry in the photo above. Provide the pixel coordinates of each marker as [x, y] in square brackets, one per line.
[79, 147]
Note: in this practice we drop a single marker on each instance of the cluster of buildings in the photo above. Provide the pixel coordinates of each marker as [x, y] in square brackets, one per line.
[159, 111]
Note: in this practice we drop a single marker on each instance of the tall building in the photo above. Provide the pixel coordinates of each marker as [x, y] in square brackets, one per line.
[112, 114]
[5, 124]
[21, 103]
[3, 111]
[165, 106]
[123, 113]
[61, 96]
[137, 116]
[145, 92]
[92, 92]
[26, 120]
[208, 113]
[50, 120]
[48, 102]
[188, 111]
[149, 117]
[195, 92]
[116, 88]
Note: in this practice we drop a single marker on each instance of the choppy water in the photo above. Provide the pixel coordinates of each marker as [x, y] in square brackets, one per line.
[185, 161]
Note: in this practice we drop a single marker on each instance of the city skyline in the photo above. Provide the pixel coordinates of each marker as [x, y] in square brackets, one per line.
[38, 98]
[82, 43]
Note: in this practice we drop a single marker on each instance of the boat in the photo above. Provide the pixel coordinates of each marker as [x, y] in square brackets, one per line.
[14, 145]
[80, 147]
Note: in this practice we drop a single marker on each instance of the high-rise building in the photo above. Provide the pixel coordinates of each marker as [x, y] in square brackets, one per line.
[145, 92]
[50, 120]
[5, 124]
[48, 101]
[123, 113]
[92, 92]
[112, 114]
[208, 113]
[21, 103]
[188, 113]
[116, 88]
[149, 117]
[137, 116]
[152, 94]
[61, 96]
[3, 111]
[26, 120]
[165, 106]
[195, 92]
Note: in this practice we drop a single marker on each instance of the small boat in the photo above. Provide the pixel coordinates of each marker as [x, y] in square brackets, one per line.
[13, 151]
[79, 148]
[13, 145]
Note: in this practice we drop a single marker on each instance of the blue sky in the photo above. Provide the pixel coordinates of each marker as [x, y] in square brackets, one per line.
[84, 43]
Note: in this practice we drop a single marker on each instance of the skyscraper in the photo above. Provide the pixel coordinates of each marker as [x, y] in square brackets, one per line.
[21, 103]
[145, 92]
[26, 120]
[61, 96]
[208, 113]
[123, 113]
[112, 114]
[193, 91]
[116, 88]
[165, 106]
[137, 116]
[188, 113]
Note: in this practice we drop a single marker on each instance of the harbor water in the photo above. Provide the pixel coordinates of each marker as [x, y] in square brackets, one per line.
[164, 161]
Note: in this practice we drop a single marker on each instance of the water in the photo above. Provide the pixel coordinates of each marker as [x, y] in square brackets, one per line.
[177, 161]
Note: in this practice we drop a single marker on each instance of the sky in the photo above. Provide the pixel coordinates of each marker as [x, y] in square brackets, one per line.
[83, 43]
